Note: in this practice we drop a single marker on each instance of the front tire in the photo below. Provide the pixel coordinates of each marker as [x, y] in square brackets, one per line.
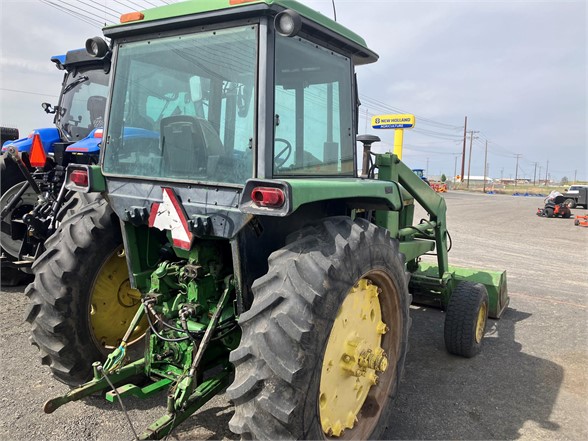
[465, 319]
[289, 380]
[81, 302]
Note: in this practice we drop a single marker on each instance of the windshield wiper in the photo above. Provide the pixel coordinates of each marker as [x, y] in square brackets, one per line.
[73, 84]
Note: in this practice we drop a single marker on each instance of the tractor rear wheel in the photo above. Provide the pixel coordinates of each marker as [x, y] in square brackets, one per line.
[11, 242]
[324, 343]
[81, 302]
[29, 200]
[10, 175]
[570, 203]
[465, 319]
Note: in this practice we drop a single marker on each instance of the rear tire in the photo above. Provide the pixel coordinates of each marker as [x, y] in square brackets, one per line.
[69, 298]
[570, 203]
[466, 318]
[10, 174]
[284, 349]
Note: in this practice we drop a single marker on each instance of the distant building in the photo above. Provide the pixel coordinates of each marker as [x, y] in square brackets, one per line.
[478, 180]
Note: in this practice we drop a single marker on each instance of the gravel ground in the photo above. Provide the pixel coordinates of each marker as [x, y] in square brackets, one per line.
[529, 382]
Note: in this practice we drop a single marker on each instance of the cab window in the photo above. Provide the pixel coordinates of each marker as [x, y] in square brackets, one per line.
[313, 110]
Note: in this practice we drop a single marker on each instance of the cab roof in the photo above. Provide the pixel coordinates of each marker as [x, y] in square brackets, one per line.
[192, 12]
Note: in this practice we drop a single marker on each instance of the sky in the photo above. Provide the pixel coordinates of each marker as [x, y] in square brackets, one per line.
[516, 69]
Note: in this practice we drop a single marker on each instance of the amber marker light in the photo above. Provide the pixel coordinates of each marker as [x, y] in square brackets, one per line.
[132, 16]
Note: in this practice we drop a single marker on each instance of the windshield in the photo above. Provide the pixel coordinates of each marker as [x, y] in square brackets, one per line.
[83, 102]
[183, 107]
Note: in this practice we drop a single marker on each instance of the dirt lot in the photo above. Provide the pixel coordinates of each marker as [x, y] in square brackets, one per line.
[530, 382]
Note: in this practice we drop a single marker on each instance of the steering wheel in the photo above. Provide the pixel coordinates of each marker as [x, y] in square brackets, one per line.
[286, 152]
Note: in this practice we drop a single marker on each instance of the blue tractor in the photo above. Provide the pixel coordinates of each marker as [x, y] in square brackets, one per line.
[33, 200]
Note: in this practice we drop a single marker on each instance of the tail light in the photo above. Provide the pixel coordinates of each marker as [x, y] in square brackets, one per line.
[79, 178]
[37, 157]
[268, 197]
[98, 133]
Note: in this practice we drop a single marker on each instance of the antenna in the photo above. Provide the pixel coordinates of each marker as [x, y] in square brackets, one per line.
[334, 10]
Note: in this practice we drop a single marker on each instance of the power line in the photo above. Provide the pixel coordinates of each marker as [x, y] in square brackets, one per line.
[90, 12]
[103, 5]
[383, 105]
[88, 20]
[29, 93]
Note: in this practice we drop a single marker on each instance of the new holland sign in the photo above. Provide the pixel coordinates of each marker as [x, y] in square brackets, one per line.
[404, 121]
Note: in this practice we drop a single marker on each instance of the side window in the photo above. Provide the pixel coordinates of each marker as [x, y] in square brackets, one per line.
[313, 110]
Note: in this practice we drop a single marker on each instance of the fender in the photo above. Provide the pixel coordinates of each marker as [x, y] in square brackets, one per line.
[89, 145]
[49, 136]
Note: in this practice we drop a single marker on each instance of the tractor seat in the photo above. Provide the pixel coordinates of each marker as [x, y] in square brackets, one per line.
[190, 146]
[96, 105]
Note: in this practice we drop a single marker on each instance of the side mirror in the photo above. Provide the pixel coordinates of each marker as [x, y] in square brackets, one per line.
[48, 108]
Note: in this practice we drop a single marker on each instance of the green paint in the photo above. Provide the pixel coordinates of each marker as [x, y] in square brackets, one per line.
[305, 191]
[97, 181]
[139, 392]
[201, 395]
[195, 7]
[494, 281]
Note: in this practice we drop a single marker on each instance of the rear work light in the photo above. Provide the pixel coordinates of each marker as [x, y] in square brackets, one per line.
[268, 197]
[98, 133]
[37, 157]
[79, 178]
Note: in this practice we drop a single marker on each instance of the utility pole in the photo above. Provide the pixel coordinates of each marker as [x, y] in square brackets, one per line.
[367, 117]
[470, 158]
[546, 172]
[575, 175]
[501, 173]
[485, 164]
[539, 174]
[455, 169]
[535, 172]
[465, 126]
[427, 167]
[518, 155]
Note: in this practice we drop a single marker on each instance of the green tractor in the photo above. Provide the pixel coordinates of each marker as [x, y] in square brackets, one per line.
[265, 261]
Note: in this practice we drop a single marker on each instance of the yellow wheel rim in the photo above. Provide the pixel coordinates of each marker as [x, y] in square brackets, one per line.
[113, 303]
[353, 358]
[481, 323]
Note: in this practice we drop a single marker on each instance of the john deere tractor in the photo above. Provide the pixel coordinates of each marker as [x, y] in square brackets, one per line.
[265, 261]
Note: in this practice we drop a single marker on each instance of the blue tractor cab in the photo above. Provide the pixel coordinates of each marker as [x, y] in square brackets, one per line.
[81, 105]
[420, 172]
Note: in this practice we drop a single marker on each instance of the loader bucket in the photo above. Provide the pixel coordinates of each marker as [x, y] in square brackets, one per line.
[494, 281]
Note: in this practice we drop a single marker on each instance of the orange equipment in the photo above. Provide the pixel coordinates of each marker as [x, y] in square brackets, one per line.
[581, 221]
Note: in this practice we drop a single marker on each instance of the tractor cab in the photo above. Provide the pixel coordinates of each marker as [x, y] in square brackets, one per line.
[82, 102]
[256, 93]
